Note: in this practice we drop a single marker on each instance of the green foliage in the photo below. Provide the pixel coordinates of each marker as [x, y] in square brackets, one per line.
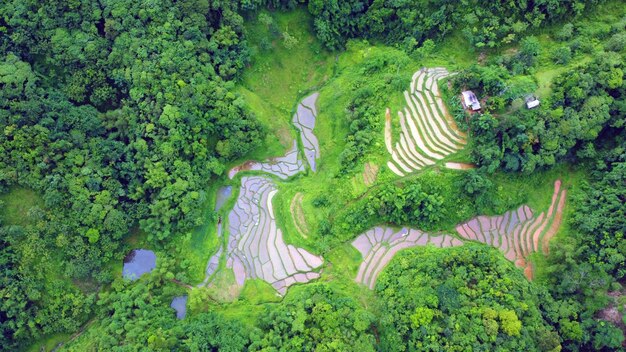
[336, 21]
[428, 202]
[482, 24]
[319, 318]
[465, 298]
[164, 132]
[566, 32]
[587, 103]
[617, 42]
[31, 306]
[117, 115]
[372, 82]
[289, 41]
[211, 332]
[562, 55]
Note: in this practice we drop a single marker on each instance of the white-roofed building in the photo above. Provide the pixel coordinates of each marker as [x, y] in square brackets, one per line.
[470, 101]
[532, 102]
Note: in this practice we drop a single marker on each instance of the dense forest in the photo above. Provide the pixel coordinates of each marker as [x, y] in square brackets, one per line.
[120, 120]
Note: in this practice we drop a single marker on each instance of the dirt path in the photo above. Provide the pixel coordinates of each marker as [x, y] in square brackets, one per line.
[459, 166]
[369, 173]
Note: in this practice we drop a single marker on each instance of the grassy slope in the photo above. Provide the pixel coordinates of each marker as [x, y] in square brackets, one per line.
[594, 21]
[271, 86]
[331, 131]
[278, 75]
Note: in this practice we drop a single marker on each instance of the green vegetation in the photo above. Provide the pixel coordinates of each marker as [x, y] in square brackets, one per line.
[280, 73]
[120, 120]
[468, 298]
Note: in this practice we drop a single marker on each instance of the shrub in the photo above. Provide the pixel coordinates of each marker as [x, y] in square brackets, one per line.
[617, 42]
[289, 41]
[565, 33]
[562, 55]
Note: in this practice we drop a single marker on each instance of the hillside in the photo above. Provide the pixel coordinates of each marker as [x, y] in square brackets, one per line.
[307, 176]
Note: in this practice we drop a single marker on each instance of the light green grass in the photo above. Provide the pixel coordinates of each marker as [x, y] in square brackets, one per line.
[331, 130]
[279, 134]
[278, 76]
[453, 52]
[197, 246]
[17, 202]
[257, 291]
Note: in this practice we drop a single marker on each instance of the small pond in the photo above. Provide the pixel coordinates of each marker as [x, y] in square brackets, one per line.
[138, 262]
[179, 304]
[222, 196]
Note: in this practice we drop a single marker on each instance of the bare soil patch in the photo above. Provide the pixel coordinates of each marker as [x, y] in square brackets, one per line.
[459, 166]
[370, 173]
[297, 214]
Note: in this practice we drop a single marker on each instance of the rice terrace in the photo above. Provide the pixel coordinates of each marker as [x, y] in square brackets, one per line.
[312, 176]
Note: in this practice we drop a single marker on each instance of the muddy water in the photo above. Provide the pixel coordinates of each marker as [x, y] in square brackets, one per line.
[137, 263]
[282, 166]
[180, 306]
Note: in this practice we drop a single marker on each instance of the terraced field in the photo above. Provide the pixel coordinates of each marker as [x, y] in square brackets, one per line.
[304, 120]
[428, 132]
[380, 244]
[518, 233]
[369, 173]
[297, 215]
[212, 266]
[256, 248]
[283, 167]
